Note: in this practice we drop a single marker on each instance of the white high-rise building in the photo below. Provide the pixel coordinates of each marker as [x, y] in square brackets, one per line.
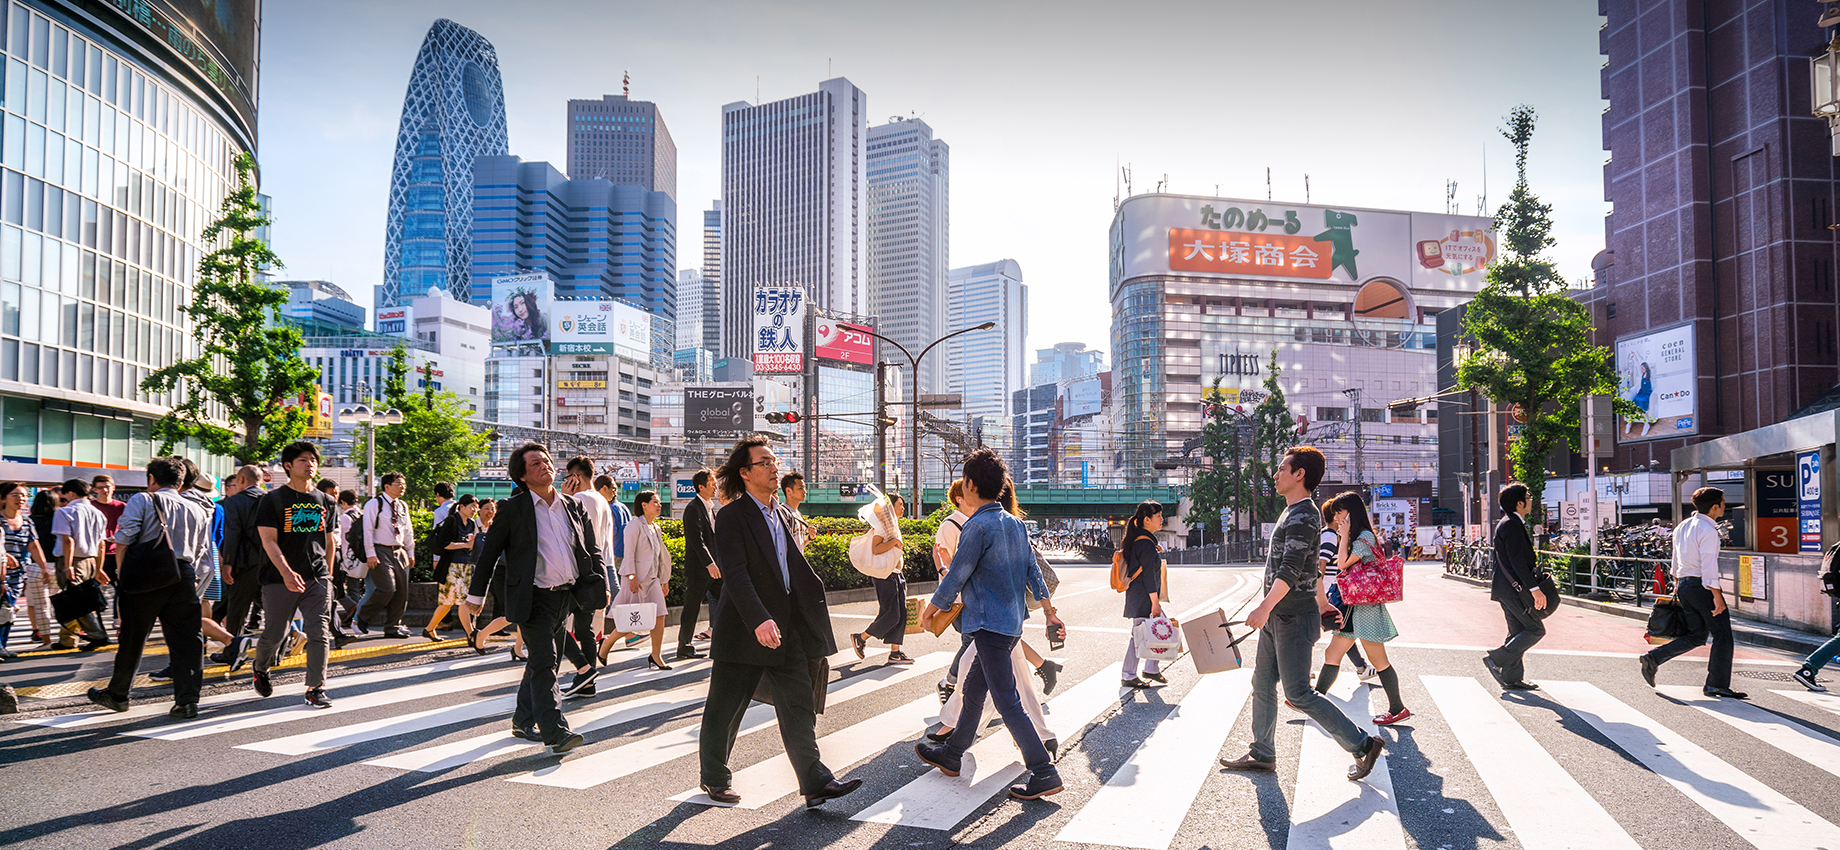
[793, 185]
[691, 302]
[712, 278]
[988, 367]
[907, 259]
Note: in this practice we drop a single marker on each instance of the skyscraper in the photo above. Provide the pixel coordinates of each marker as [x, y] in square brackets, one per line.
[988, 367]
[622, 141]
[625, 247]
[453, 113]
[792, 203]
[909, 175]
[712, 277]
[697, 319]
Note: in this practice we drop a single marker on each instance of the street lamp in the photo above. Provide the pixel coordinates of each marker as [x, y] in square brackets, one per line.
[370, 419]
[913, 372]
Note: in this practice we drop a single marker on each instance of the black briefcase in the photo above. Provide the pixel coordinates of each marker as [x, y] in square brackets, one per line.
[820, 685]
[1667, 620]
[78, 600]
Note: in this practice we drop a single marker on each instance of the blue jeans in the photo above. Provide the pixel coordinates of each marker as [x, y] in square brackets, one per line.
[998, 678]
[1822, 656]
[1284, 655]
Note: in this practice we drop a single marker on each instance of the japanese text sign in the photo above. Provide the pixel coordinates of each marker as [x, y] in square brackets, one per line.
[779, 330]
[1263, 254]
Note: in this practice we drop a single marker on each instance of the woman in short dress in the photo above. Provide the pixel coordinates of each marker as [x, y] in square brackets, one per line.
[645, 573]
[1369, 624]
[23, 554]
[454, 546]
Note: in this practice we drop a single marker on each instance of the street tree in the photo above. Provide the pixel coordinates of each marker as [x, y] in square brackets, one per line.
[433, 442]
[245, 394]
[1274, 431]
[1224, 483]
[1533, 340]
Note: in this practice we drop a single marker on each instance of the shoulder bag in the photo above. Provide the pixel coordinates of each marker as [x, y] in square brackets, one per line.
[1373, 582]
[149, 564]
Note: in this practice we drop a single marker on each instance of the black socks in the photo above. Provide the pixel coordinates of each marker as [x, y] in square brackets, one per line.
[1389, 679]
[1326, 678]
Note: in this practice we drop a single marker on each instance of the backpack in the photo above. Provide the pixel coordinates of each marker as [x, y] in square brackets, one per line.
[354, 539]
[1830, 572]
[1120, 581]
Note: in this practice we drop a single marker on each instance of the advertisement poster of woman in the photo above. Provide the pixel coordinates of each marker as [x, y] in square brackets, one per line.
[520, 309]
[1656, 371]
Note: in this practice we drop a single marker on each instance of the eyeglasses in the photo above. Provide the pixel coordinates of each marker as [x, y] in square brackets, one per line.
[768, 461]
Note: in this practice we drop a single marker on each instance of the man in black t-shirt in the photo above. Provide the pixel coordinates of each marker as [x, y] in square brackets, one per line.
[299, 530]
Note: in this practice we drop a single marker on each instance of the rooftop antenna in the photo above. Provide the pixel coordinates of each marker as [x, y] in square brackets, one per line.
[756, 89]
[1450, 197]
[1126, 170]
[1267, 182]
[626, 84]
[1306, 188]
[1482, 200]
[1162, 184]
[1117, 170]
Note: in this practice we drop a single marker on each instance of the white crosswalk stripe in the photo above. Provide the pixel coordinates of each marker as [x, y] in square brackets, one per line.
[937, 801]
[1146, 800]
[1766, 726]
[1531, 789]
[1331, 811]
[343, 705]
[652, 750]
[1755, 811]
[1825, 702]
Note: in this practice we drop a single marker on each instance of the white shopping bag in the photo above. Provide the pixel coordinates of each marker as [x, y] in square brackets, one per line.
[1158, 638]
[636, 617]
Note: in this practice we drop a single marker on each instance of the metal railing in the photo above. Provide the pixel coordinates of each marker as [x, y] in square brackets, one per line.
[1239, 552]
[1617, 577]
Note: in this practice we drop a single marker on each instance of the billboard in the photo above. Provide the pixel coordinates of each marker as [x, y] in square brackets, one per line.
[724, 413]
[1658, 373]
[843, 341]
[394, 320]
[1082, 397]
[1241, 239]
[521, 309]
[779, 330]
[600, 327]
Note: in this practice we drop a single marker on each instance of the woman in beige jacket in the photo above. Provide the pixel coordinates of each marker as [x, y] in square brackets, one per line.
[645, 572]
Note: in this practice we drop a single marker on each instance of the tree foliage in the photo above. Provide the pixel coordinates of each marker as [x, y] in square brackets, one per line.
[433, 443]
[1239, 476]
[249, 365]
[1533, 340]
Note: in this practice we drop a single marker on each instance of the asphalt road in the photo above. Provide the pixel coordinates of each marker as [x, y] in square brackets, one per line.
[414, 755]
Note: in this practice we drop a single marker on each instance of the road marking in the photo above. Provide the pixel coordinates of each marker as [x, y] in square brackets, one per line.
[1829, 702]
[354, 680]
[1533, 792]
[936, 801]
[652, 750]
[1753, 810]
[1581, 653]
[340, 705]
[1145, 801]
[773, 779]
[1764, 725]
[389, 727]
[1330, 811]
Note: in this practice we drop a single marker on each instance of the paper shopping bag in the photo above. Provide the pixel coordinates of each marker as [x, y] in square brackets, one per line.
[635, 617]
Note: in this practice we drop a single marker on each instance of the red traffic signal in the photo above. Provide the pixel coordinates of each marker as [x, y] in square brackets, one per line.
[783, 418]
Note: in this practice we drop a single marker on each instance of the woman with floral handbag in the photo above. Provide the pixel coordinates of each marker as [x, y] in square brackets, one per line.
[1367, 578]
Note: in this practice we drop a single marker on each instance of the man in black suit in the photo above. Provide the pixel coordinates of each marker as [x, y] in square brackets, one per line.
[771, 622]
[1516, 587]
[241, 554]
[551, 571]
[701, 576]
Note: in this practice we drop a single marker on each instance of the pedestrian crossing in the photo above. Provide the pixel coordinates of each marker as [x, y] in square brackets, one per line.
[452, 715]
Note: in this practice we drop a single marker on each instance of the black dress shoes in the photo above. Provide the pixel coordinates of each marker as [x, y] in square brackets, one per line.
[1648, 670]
[831, 791]
[724, 796]
[1727, 693]
[686, 653]
[183, 711]
[1521, 686]
[107, 700]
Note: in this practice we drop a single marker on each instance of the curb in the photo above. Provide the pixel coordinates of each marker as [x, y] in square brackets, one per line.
[1741, 632]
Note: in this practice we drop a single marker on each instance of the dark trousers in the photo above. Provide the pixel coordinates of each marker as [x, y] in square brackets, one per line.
[577, 643]
[388, 598]
[993, 673]
[242, 600]
[964, 643]
[1697, 601]
[697, 584]
[1525, 629]
[176, 609]
[732, 686]
[539, 701]
[890, 624]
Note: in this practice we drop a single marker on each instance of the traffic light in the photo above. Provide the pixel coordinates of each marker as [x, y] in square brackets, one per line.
[783, 418]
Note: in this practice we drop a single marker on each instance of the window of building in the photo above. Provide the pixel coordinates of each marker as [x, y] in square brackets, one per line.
[1373, 414]
[1332, 414]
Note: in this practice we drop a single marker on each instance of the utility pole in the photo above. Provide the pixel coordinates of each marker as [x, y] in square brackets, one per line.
[1475, 459]
[1360, 468]
[881, 425]
[809, 427]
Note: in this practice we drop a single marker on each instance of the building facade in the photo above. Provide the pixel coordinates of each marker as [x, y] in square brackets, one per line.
[906, 263]
[621, 243]
[453, 113]
[793, 188]
[712, 276]
[1722, 190]
[1205, 288]
[121, 133]
[620, 140]
[987, 367]
[321, 303]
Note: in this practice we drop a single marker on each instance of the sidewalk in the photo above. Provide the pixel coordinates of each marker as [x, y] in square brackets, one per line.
[1743, 631]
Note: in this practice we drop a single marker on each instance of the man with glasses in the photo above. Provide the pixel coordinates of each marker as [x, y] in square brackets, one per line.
[770, 622]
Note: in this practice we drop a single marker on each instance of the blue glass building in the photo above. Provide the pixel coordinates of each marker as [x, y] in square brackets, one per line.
[453, 113]
[594, 238]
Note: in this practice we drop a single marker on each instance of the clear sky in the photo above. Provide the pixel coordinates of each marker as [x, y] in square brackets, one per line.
[1380, 103]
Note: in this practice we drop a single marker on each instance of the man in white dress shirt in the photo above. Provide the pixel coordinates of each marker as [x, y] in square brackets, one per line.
[579, 638]
[389, 540]
[1696, 585]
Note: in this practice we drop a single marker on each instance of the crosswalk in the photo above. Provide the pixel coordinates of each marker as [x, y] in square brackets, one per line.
[450, 715]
